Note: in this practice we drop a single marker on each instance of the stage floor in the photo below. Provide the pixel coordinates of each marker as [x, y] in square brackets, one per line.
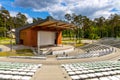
[60, 49]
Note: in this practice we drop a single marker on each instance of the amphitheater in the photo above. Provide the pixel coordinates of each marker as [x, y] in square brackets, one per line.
[95, 61]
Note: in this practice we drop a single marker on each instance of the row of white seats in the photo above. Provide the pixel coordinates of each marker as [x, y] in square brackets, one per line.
[98, 47]
[112, 42]
[17, 71]
[29, 57]
[107, 70]
[109, 41]
[89, 54]
[96, 53]
[14, 77]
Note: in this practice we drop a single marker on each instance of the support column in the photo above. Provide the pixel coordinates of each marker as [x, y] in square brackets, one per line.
[38, 43]
[59, 38]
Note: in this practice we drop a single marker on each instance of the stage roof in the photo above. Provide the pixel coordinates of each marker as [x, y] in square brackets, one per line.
[49, 23]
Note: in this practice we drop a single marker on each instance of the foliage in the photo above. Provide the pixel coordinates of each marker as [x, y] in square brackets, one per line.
[85, 27]
[93, 29]
[4, 41]
[24, 50]
[8, 22]
[21, 52]
[36, 19]
[16, 53]
[72, 42]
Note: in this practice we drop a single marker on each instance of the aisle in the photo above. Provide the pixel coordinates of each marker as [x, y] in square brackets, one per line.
[50, 72]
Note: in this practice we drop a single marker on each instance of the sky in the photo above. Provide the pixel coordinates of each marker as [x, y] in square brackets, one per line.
[58, 8]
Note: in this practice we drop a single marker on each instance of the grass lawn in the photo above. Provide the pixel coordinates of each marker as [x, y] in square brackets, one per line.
[23, 52]
[28, 52]
[79, 44]
[4, 41]
[76, 43]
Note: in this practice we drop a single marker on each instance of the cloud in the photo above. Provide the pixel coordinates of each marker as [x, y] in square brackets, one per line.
[37, 4]
[29, 19]
[58, 8]
[13, 13]
[0, 5]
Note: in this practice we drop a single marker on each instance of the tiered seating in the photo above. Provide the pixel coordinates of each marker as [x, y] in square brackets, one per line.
[89, 47]
[17, 71]
[93, 47]
[96, 53]
[91, 52]
[98, 49]
[29, 57]
[104, 70]
[112, 42]
[116, 45]
[107, 41]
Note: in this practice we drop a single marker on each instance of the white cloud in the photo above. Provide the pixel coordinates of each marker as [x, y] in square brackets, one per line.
[0, 5]
[58, 8]
[13, 13]
[117, 4]
[29, 19]
[106, 14]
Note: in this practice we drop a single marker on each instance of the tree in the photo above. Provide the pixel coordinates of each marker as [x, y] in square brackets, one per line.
[68, 17]
[20, 20]
[4, 15]
[8, 22]
[100, 22]
[36, 19]
[77, 20]
[114, 21]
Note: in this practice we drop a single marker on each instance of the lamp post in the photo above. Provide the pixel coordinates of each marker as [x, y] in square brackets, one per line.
[11, 38]
[11, 44]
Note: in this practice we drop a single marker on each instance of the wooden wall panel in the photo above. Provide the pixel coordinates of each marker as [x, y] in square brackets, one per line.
[23, 34]
[29, 37]
[24, 37]
[34, 38]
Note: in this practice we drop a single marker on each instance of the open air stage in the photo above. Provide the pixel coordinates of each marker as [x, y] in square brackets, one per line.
[59, 49]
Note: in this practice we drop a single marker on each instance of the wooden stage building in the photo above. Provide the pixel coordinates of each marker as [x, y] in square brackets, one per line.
[42, 33]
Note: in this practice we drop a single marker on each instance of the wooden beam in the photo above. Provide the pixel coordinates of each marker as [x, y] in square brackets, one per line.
[48, 24]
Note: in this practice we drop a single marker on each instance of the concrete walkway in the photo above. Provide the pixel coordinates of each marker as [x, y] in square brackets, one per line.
[5, 48]
[51, 72]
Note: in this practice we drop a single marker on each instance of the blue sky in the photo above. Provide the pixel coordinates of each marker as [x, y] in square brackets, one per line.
[58, 8]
